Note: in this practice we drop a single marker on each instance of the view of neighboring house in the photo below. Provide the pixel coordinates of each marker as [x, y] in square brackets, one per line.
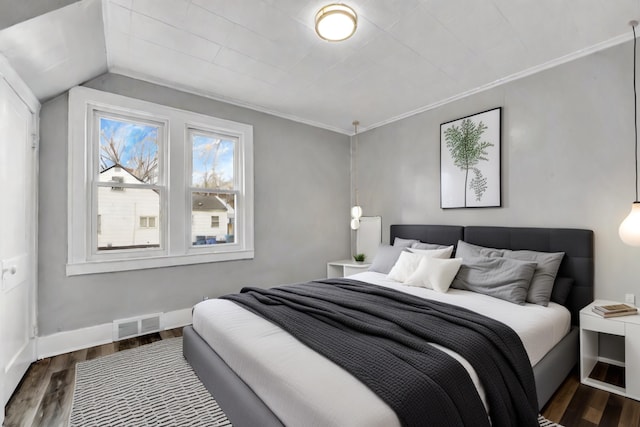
[212, 220]
[130, 217]
[127, 217]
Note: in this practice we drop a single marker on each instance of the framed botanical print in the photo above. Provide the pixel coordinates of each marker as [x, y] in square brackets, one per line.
[470, 161]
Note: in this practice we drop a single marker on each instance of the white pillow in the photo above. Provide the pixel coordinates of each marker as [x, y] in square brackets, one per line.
[409, 260]
[405, 266]
[434, 253]
[435, 273]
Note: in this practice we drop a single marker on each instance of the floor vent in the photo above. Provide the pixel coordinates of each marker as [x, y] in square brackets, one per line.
[135, 326]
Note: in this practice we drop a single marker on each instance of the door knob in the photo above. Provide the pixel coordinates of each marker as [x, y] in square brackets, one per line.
[11, 270]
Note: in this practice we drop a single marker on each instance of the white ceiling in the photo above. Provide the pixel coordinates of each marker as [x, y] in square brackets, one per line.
[406, 56]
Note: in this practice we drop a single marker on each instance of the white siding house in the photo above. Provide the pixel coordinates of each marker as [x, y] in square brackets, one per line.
[127, 217]
[130, 217]
[211, 220]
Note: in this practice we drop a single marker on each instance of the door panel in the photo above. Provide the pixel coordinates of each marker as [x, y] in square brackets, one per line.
[17, 242]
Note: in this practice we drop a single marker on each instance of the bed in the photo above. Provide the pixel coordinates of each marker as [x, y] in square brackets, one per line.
[245, 405]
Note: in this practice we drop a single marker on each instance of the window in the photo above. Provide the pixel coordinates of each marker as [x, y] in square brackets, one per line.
[119, 180]
[128, 182]
[153, 186]
[147, 222]
[214, 187]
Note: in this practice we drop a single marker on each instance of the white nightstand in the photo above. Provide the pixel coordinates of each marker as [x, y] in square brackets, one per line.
[345, 267]
[591, 325]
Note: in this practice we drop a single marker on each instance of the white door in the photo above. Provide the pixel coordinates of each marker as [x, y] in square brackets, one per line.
[17, 239]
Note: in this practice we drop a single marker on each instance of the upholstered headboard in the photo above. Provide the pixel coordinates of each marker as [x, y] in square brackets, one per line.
[577, 245]
[439, 234]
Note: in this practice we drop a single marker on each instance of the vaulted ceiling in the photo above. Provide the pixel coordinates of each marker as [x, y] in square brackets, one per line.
[406, 56]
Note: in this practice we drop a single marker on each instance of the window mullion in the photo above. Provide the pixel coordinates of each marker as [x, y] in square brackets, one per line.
[176, 187]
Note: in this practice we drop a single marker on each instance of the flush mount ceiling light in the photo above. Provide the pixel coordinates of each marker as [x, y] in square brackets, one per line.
[336, 22]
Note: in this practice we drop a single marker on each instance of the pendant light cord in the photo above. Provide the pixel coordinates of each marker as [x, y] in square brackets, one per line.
[635, 107]
[355, 160]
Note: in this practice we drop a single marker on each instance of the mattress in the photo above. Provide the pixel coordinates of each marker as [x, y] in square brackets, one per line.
[302, 387]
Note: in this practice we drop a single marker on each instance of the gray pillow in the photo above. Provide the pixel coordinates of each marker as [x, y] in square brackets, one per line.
[404, 243]
[429, 246]
[503, 278]
[544, 276]
[561, 290]
[467, 250]
[385, 258]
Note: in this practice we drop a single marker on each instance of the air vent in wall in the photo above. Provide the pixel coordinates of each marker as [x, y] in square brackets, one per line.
[135, 326]
[127, 329]
[149, 324]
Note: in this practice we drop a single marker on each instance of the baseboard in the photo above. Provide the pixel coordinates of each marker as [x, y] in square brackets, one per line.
[67, 341]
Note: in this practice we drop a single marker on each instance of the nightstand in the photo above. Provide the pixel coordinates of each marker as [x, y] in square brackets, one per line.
[591, 326]
[345, 267]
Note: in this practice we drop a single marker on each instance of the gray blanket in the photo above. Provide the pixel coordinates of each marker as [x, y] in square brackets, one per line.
[381, 336]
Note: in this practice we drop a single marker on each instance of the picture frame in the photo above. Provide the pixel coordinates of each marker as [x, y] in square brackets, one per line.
[471, 161]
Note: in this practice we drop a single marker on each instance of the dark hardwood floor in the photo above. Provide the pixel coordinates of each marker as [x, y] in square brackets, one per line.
[44, 397]
[575, 404]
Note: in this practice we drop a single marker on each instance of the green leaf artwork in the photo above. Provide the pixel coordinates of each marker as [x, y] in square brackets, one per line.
[467, 150]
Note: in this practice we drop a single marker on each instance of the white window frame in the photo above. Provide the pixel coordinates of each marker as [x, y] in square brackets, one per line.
[94, 112]
[175, 217]
[238, 178]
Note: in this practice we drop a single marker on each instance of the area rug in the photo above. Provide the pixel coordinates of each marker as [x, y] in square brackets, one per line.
[546, 423]
[151, 385]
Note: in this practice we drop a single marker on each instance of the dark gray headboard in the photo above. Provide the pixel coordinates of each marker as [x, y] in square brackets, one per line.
[577, 245]
[439, 234]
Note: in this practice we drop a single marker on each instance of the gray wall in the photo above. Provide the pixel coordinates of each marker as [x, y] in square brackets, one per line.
[567, 161]
[301, 217]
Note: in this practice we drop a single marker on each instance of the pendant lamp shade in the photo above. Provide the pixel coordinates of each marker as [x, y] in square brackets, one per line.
[356, 212]
[629, 230]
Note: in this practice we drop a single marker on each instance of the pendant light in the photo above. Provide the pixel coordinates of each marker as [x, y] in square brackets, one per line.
[629, 230]
[356, 211]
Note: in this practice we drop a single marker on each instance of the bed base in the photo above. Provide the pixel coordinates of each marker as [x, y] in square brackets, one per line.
[244, 408]
[241, 405]
[556, 365]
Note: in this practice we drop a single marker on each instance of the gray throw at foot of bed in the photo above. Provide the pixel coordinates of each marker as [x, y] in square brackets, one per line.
[381, 336]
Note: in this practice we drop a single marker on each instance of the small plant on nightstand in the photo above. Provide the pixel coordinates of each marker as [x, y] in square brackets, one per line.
[359, 257]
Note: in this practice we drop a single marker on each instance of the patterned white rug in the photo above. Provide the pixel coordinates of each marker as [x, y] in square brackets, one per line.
[151, 385]
[546, 423]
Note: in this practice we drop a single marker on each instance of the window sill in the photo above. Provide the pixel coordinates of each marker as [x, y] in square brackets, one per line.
[94, 267]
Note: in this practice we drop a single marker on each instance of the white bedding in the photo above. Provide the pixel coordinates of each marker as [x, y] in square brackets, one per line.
[302, 387]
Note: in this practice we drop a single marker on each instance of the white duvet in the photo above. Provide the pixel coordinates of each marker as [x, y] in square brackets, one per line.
[302, 387]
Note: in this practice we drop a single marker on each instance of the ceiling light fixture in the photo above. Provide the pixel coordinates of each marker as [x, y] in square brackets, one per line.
[629, 230]
[336, 22]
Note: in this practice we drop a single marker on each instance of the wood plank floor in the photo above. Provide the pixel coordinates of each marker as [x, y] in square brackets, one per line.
[575, 404]
[44, 397]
